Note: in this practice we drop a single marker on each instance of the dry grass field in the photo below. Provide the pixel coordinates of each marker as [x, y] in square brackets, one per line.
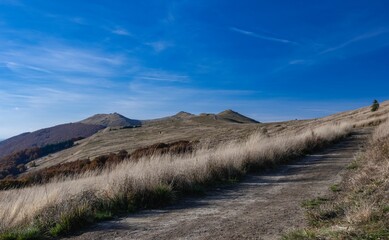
[59, 206]
[229, 151]
[207, 129]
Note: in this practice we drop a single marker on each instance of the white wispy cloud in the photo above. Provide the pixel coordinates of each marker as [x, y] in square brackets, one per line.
[31, 107]
[17, 66]
[159, 46]
[95, 81]
[57, 61]
[160, 76]
[121, 31]
[316, 53]
[358, 38]
[261, 36]
[32, 97]
[298, 61]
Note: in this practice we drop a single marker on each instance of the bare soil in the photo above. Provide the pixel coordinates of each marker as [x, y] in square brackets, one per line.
[261, 206]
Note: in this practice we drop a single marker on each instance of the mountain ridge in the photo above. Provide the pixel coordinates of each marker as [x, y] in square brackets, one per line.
[45, 136]
[91, 125]
[209, 129]
[226, 116]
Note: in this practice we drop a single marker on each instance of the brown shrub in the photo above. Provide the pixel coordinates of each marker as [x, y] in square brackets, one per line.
[179, 147]
[97, 164]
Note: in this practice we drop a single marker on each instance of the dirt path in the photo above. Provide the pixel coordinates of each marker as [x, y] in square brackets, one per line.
[260, 207]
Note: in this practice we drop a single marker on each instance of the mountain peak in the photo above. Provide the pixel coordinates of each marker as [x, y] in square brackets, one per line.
[183, 115]
[111, 120]
[228, 111]
[233, 116]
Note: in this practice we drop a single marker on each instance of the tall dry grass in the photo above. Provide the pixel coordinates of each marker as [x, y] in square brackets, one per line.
[369, 186]
[381, 132]
[360, 207]
[145, 181]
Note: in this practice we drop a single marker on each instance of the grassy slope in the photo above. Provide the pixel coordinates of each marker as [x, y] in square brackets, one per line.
[65, 205]
[206, 129]
[359, 208]
[113, 140]
[143, 184]
[42, 137]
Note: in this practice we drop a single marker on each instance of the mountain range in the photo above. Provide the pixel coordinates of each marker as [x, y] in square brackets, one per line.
[91, 125]
[112, 133]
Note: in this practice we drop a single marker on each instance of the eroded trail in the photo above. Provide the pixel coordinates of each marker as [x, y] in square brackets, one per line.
[260, 207]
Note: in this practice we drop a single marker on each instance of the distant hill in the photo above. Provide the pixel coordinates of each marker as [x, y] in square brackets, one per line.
[183, 115]
[93, 124]
[64, 132]
[178, 116]
[209, 129]
[111, 120]
[47, 136]
[225, 116]
[236, 117]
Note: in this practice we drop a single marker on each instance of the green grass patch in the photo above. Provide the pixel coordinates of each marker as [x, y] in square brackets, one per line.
[325, 233]
[103, 215]
[72, 220]
[320, 212]
[31, 233]
[313, 203]
[335, 188]
[379, 234]
[300, 234]
[385, 209]
[353, 165]
[159, 196]
[322, 216]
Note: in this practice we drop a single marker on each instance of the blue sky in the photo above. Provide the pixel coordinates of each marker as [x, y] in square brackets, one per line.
[62, 61]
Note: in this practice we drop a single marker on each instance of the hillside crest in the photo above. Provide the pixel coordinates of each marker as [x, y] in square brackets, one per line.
[234, 116]
[110, 120]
